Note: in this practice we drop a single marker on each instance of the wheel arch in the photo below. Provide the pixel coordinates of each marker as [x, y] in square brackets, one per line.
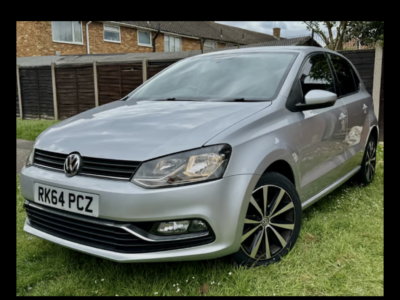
[281, 161]
[282, 167]
[374, 131]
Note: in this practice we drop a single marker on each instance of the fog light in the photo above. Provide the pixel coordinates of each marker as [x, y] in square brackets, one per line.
[198, 225]
[174, 227]
[179, 227]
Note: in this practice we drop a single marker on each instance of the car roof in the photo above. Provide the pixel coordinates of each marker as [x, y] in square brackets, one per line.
[304, 49]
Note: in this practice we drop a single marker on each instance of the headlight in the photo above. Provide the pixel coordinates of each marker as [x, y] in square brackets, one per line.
[202, 164]
[29, 160]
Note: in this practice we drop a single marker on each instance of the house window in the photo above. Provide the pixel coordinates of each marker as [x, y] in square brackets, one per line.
[144, 38]
[67, 31]
[112, 34]
[172, 44]
[209, 45]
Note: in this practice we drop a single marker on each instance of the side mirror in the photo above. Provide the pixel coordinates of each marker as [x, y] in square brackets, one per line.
[317, 99]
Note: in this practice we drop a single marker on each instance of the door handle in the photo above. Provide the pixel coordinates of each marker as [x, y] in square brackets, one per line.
[342, 116]
[365, 108]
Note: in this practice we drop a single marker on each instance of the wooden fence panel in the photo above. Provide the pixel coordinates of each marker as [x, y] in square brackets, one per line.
[67, 100]
[45, 93]
[131, 77]
[37, 93]
[117, 80]
[364, 61]
[154, 67]
[109, 83]
[381, 109]
[29, 93]
[75, 90]
[17, 99]
[85, 85]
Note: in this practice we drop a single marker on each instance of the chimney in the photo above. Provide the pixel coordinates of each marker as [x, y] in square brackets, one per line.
[277, 32]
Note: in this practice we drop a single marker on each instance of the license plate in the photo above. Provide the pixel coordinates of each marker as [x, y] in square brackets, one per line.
[65, 199]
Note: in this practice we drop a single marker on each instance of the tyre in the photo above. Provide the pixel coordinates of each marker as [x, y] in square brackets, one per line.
[367, 171]
[272, 223]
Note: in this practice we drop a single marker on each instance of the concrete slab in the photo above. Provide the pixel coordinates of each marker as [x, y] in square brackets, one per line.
[22, 155]
[23, 149]
[24, 144]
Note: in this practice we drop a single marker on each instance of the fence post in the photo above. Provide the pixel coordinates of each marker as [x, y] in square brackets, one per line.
[53, 81]
[376, 87]
[312, 37]
[144, 69]
[21, 115]
[96, 87]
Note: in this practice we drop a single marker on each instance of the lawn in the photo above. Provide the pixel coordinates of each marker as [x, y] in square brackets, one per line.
[339, 253]
[30, 129]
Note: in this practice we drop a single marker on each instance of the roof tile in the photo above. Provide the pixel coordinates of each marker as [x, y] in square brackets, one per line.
[207, 30]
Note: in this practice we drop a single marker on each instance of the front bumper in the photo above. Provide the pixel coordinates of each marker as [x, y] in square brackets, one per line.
[221, 203]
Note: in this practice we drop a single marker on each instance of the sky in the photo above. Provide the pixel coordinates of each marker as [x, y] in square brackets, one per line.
[288, 28]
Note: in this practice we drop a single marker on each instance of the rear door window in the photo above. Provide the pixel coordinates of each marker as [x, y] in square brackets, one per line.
[344, 73]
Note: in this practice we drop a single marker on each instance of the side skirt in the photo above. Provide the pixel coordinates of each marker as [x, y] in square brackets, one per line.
[330, 188]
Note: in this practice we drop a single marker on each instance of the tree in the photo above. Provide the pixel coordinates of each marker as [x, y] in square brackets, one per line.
[367, 32]
[331, 32]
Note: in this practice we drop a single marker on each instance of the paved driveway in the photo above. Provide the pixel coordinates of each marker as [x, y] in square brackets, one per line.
[23, 149]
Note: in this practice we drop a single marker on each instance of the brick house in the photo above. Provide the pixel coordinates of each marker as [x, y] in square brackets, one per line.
[354, 44]
[42, 38]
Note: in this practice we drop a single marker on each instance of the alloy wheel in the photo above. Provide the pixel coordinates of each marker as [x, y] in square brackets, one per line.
[269, 222]
[370, 161]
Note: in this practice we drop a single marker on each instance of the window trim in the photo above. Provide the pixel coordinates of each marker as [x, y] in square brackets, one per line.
[292, 106]
[145, 45]
[111, 41]
[73, 35]
[175, 37]
[352, 71]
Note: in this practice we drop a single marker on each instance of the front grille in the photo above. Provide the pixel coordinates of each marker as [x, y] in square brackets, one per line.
[94, 232]
[109, 168]
[49, 159]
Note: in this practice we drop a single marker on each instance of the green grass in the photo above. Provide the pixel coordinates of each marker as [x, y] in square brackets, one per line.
[339, 253]
[30, 129]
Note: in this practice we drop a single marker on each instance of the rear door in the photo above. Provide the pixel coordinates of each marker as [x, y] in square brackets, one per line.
[322, 130]
[357, 103]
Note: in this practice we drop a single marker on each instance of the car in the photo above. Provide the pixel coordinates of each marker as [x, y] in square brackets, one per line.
[216, 155]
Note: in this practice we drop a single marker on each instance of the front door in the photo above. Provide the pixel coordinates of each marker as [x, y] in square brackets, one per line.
[323, 131]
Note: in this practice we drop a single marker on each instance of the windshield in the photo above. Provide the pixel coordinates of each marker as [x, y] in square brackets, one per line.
[246, 76]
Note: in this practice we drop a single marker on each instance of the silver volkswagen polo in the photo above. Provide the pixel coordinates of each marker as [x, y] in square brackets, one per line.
[216, 155]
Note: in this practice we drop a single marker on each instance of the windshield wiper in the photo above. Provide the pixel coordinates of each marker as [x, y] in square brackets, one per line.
[230, 100]
[244, 100]
[175, 99]
[204, 100]
[124, 99]
[208, 100]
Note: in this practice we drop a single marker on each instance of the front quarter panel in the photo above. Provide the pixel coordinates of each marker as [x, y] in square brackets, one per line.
[270, 135]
